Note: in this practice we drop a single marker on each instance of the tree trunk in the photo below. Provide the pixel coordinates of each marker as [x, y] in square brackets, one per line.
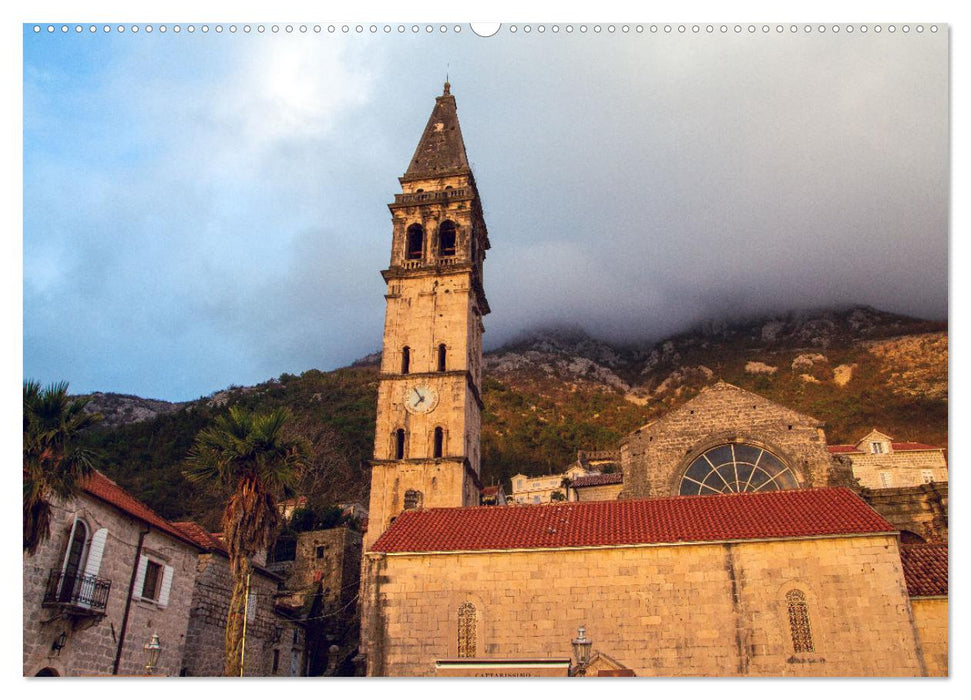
[235, 619]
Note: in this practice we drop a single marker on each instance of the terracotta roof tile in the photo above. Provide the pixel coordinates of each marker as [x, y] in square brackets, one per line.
[897, 446]
[598, 480]
[905, 446]
[925, 569]
[200, 536]
[102, 487]
[778, 514]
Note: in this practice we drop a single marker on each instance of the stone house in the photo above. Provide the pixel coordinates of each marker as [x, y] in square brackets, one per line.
[596, 487]
[880, 463]
[275, 638]
[112, 575]
[540, 489]
[322, 580]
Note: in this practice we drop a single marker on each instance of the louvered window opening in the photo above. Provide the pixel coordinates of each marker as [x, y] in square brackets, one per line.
[467, 630]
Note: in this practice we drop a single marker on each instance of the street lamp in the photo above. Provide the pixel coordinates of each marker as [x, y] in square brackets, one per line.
[581, 651]
[58, 644]
[152, 650]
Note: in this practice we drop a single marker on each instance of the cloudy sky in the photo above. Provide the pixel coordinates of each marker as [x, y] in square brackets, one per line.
[206, 210]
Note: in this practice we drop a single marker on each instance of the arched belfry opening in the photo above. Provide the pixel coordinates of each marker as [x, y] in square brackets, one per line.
[446, 239]
[415, 242]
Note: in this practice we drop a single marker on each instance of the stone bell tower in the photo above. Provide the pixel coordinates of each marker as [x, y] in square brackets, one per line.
[426, 445]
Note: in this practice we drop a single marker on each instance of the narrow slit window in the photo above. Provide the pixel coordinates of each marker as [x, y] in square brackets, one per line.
[399, 443]
[416, 242]
[446, 239]
[442, 355]
[405, 359]
[439, 443]
[802, 635]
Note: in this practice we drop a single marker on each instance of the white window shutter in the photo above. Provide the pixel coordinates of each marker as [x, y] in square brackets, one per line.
[163, 596]
[95, 552]
[251, 606]
[139, 577]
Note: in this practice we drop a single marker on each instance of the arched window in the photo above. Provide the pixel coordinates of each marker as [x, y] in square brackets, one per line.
[446, 239]
[802, 635]
[405, 359]
[439, 443]
[735, 468]
[413, 499]
[416, 241]
[442, 354]
[467, 619]
[399, 443]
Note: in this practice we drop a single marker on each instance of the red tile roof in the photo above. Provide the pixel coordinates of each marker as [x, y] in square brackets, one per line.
[102, 487]
[773, 515]
[897, 447]
[598, 480]
[201, 536]
[925, 569]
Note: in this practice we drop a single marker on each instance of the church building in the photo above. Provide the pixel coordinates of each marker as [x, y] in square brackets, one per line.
[735, 544]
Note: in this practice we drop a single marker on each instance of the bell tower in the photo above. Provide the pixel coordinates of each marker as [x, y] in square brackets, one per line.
[426, 444]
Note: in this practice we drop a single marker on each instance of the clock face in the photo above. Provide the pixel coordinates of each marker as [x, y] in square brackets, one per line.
[420, 398]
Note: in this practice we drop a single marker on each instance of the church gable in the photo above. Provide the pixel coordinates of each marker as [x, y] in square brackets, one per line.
[655, 458]
[721, 402]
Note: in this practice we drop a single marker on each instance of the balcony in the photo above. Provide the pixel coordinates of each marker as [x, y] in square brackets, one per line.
[76, 593]
[433, 197]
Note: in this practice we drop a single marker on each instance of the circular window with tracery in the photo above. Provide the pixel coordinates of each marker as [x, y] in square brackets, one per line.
[735, 468]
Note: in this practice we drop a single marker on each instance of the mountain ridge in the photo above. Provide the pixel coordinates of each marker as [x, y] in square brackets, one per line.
[553, 391]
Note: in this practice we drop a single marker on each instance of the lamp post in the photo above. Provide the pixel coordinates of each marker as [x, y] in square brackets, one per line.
[152, 650]
[581, 651]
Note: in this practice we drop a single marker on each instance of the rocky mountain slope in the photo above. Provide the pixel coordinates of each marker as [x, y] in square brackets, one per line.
[554, 391]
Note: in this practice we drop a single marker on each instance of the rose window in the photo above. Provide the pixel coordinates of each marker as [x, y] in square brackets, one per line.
[735, 468]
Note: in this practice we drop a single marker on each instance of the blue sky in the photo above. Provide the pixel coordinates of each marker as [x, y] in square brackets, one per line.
[205, 210]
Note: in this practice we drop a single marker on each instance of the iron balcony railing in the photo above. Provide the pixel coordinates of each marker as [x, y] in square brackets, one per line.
[82, 592]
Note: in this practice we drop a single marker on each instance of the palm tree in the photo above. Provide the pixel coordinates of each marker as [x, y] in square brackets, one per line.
[54, 467]
[249, 454]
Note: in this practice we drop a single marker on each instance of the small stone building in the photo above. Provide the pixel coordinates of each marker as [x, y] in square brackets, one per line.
[275, 640]
[880, 463]
[322, 582]
[112, 575]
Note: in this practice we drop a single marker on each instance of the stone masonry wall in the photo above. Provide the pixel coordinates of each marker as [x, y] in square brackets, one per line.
[654, 458]
[905, 468]
[610, 492]
[918, 509]
[930, 618]
[266, 631]
[91, 648]
[693, 610]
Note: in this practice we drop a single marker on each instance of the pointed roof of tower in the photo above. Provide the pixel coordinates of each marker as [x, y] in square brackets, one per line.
[441, 150]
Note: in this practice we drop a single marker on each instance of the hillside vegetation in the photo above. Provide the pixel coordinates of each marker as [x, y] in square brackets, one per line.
[553, 392]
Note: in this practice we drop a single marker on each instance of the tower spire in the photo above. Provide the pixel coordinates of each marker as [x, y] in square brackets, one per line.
[441, 150]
